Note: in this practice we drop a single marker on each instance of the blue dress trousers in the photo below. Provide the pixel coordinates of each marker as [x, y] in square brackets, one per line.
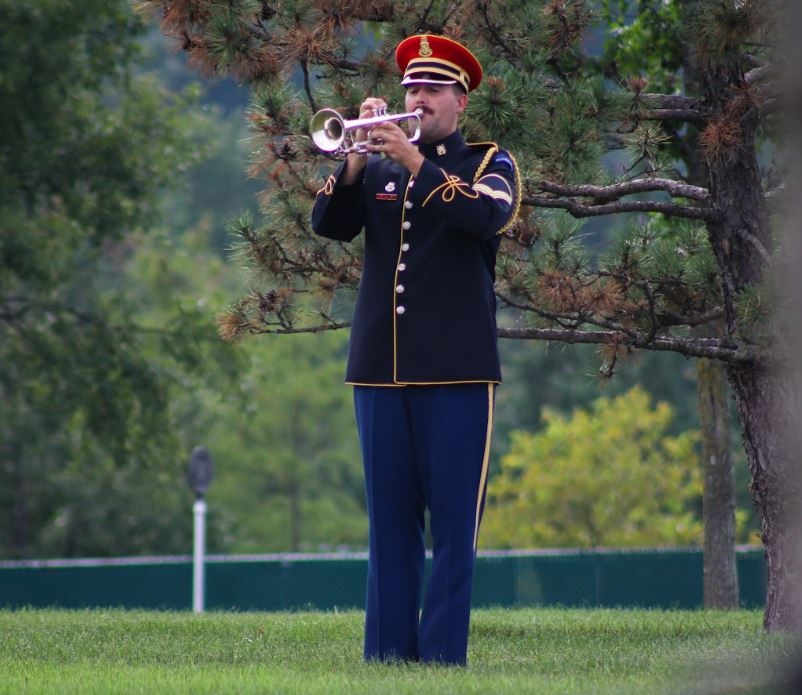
[423, 360]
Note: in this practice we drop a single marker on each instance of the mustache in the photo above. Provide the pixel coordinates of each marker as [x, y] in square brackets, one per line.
[425, 109]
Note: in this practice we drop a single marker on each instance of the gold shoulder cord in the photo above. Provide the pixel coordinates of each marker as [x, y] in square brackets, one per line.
[491, 152]
[518, 193]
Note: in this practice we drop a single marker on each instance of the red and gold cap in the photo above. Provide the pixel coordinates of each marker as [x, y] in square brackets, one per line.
[428, 59]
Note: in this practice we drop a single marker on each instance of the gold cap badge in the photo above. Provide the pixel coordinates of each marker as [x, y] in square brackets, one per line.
[425, 50]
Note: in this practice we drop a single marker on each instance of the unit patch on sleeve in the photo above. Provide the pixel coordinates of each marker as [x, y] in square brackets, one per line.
[502, 158]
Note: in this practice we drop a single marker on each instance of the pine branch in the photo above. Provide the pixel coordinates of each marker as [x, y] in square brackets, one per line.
[672, 107]
[606, 198]
[759, 73]
[425, 16]
[307, 87]
[652, 310]
[660, 318]
[577, 209]
[302, 329]
[668, 318]
[753, 60]
[576, 319]
[355, 69]
[497, 37]
[755, 242]
[687, 115]
[766, 87]
[711, 348]
[375, 11]
[672, 101]
[603, 194]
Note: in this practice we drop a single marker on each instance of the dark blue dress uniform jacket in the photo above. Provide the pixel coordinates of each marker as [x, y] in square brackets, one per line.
[425, 311]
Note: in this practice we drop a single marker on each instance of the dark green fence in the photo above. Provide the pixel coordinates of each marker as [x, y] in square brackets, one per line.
[642, 578]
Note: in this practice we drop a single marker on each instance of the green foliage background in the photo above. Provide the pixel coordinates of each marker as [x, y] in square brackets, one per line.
[608, 476]
[118, 172]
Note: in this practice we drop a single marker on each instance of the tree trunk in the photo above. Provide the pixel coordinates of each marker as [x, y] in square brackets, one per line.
[767, 404]
[720, 571]
[741, 243]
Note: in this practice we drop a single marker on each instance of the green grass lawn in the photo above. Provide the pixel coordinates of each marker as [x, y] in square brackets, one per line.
[511, 651]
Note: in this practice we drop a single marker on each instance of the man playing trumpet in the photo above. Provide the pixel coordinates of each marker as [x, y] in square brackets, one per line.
[423, 354]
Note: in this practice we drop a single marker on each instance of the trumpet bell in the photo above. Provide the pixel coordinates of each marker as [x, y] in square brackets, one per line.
[333, 134]
[327, 130]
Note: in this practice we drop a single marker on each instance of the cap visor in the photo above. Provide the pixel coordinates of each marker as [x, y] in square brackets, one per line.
[426, 80]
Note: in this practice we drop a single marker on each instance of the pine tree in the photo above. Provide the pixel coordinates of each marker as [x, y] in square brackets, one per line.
[650, 42]
[652, 285]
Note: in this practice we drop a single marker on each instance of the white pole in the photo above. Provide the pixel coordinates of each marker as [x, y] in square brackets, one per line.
[199, 509]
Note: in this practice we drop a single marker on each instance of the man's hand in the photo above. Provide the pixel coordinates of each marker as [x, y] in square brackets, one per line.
[356, 162]
[368, 109]
[388, 139]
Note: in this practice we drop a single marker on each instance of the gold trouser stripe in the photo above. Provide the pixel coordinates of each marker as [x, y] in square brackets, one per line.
[485, 462]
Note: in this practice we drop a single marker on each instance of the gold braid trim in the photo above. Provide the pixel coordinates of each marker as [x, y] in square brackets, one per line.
[450, 187]
[328, 187]
[492, 150]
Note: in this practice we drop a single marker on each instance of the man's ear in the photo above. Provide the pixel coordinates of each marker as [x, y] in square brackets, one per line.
[462, 102]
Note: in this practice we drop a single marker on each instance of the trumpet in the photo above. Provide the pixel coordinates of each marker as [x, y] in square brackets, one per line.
[332, 133]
